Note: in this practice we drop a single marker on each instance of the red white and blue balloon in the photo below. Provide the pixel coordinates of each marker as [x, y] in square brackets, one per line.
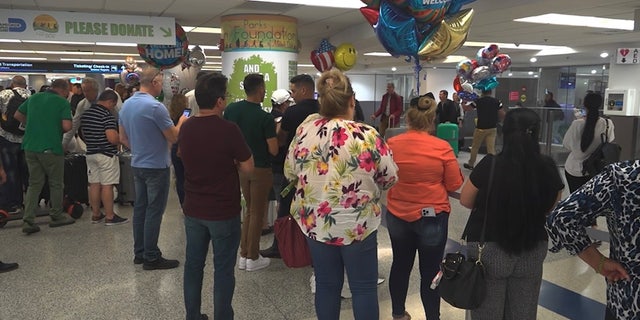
[323, 57]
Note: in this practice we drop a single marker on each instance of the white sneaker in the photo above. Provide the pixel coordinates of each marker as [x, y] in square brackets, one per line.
[242, 263]
[380, 281]
[257, 264]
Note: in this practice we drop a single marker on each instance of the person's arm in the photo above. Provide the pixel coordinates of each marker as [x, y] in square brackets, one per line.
[124, 140]
[75, 124]
[112, 136]
[66, 125]
[468, 194]
[386, 170]
[20, 116]
[246, 167]
[380, 109]
[171, 132]
[569, 137]
[282, 136]
[612, 270]
[272, 143]
[453, 178]
[396, 108]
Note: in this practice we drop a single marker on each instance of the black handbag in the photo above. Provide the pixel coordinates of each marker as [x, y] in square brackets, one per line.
[462, 284]
[606, 153]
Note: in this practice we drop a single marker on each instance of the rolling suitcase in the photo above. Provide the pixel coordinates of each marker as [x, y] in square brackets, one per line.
[126, 188]
[76, 185]
[449, 132]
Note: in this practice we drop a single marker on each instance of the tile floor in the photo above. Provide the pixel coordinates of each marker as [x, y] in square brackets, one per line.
[85, 271]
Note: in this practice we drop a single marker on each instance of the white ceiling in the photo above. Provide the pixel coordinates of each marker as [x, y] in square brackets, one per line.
[493, 22]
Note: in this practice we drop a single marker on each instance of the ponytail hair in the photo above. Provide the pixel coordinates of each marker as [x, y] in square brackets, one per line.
[335, 91]
[592, 101]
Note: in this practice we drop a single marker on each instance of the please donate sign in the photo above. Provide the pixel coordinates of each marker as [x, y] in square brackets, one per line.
[85, 27]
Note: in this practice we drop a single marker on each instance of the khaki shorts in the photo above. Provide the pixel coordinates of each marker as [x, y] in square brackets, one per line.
[103, 169]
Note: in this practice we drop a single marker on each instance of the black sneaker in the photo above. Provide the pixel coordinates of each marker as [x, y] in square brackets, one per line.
[97, 219]
[115, 221]
[160, 263]
[271, 252]
[138, 260]
[6, 267]
[468, 166]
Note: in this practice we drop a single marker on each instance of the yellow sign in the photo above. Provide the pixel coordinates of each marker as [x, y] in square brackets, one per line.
[260, 32]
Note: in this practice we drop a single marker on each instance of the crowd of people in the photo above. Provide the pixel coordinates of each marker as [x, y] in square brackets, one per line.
[339, 168]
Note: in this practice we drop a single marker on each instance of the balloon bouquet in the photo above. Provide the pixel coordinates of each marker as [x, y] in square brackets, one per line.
[130, 74]
[480, 73]
[328, 56]
[421, 30]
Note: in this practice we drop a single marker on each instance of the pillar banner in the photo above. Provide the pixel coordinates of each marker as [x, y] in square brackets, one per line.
[264, 44]
[260, 33]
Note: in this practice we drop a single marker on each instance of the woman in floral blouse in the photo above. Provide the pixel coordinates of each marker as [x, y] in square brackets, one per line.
[341, 167]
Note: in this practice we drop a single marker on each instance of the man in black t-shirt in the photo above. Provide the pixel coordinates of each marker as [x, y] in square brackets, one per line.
[488, 108]
[302, 89]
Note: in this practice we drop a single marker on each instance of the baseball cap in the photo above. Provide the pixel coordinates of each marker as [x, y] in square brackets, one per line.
[281, 96]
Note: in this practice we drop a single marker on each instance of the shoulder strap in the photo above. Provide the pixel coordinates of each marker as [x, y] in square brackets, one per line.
[486, 205]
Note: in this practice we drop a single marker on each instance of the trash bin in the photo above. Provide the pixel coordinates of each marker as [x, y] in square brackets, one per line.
[449, 132]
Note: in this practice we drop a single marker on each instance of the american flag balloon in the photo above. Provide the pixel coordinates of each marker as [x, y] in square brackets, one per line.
[323, 61]
[325, 46]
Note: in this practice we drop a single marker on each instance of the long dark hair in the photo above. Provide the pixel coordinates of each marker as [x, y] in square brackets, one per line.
[592, 101]
[521, 202]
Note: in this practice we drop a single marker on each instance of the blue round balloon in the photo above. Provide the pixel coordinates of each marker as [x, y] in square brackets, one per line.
[467, 96]
[397, 31]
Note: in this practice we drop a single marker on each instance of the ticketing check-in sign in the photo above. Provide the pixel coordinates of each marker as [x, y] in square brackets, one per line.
[628, 56]
[85, 27]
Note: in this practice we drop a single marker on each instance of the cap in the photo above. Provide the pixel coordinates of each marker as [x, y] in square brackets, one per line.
[281, 96]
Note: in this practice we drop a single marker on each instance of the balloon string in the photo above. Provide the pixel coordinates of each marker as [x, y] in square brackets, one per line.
[416, 71]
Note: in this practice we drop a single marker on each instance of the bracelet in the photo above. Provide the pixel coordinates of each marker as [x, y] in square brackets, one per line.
[600, 264]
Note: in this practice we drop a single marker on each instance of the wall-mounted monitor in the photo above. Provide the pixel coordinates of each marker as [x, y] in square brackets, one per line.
[620, 102]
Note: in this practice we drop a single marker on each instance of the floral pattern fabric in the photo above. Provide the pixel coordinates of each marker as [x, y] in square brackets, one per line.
[341, 168]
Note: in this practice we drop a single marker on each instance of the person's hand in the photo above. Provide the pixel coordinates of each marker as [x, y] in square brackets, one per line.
[613, 271]
[391, 117]
[3, 176]
[373, 117]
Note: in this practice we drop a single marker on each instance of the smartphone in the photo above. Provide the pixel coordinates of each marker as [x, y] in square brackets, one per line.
[186, 113]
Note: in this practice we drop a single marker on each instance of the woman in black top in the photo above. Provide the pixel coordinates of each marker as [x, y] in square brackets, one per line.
[526, 186]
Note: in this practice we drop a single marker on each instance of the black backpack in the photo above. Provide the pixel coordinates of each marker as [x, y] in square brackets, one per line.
[8, 122]
[606, 153]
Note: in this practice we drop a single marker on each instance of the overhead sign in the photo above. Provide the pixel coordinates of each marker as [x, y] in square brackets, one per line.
[44, 67]
[628, 56]
[85, 27]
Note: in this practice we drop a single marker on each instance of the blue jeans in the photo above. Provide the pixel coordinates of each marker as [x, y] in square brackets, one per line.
[152, 190]
[178, 168]
[427, 236]
[225, 239]
[15, 165]
[360, 259]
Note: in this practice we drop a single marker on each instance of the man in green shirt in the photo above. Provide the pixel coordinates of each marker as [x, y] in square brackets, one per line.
[47, 116]
[259, 131]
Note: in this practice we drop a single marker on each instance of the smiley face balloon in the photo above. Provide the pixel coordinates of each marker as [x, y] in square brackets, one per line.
[345, 56]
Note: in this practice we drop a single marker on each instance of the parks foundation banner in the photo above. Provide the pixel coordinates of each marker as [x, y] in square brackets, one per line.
[260, 33]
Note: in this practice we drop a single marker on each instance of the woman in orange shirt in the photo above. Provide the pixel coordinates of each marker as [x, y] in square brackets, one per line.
[418, 207]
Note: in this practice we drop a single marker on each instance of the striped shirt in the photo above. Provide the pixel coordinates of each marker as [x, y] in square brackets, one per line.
[93, 124]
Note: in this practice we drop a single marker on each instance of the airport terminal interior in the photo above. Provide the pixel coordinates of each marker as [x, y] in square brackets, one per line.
[86, 270]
